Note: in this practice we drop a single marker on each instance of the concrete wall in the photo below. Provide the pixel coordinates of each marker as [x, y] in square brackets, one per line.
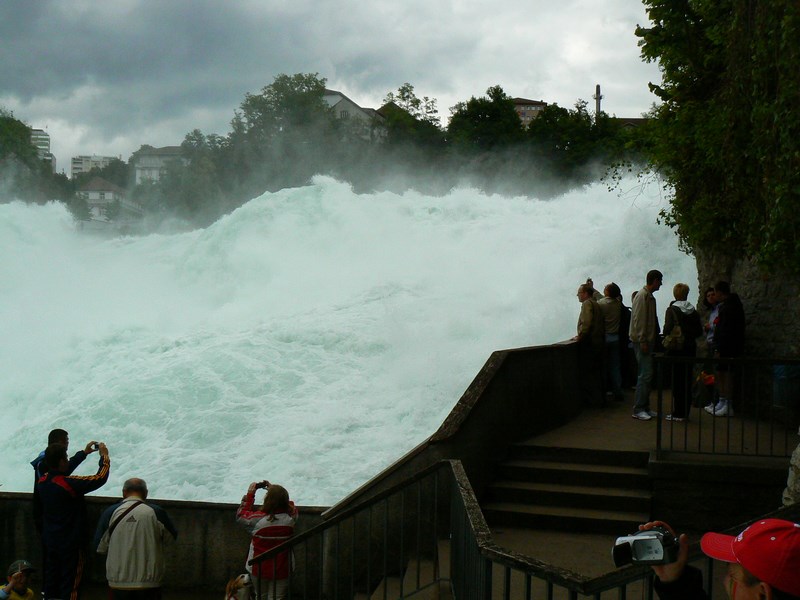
[210, 548]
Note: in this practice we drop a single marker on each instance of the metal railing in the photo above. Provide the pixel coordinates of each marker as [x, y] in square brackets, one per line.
[400, 542]
[760, 420]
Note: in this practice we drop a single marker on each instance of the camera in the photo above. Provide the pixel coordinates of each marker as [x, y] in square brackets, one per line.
[655, 546]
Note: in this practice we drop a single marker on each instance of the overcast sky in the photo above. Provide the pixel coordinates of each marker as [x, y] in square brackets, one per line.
[105, 77]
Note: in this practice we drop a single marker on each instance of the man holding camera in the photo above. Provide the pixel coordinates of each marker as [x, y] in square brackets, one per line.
[763, 563]
[64, 519]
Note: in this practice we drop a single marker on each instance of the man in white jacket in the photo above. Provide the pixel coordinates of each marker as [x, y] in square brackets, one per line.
[132, 534]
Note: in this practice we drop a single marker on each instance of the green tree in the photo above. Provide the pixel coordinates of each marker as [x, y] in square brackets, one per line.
[284, 135]
[725, 135]
[113, 210]
[421, 109]
[573, 143]
[116, 171]
[485, 123]
[15, 140]
[411, 122]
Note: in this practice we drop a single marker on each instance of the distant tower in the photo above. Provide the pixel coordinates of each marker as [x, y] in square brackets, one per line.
[597, 97]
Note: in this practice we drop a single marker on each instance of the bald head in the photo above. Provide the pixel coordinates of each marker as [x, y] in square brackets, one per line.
[134, 487]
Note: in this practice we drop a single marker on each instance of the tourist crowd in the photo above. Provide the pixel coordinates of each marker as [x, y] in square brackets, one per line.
[615, 341]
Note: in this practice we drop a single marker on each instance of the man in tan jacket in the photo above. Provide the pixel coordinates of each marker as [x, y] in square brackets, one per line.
[643, 333]
[591, 339]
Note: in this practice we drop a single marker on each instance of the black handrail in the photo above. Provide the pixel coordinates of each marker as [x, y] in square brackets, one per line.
[760, 426]
[476, 534]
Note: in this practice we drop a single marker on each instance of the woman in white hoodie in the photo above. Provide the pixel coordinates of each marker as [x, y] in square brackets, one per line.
[682, 312]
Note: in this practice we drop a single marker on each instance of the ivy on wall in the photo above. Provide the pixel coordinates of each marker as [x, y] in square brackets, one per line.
[727, 131]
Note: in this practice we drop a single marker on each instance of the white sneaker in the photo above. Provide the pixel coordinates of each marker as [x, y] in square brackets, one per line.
[723, 409]
[709, 408]
[642, 415]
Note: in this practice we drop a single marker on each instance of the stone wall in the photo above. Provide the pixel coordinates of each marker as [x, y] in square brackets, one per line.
[771, 302]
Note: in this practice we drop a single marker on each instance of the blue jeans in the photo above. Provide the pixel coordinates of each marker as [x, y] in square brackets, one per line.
[645, 378]
[612, 366]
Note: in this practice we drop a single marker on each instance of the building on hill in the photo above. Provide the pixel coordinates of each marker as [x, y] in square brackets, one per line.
[41, 139]
[369, 119]
[150, 163]
[84, 164]
[108, 202]
[528, 110]
[631, 122]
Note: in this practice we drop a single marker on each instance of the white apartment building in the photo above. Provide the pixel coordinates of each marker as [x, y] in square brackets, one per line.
[41, 139]
[84, 164]
[150, 163]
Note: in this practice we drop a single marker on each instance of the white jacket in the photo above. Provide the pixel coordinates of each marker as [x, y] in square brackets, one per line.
[135, 549]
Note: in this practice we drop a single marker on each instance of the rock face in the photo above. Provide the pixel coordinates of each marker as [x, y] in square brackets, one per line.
[771, 302]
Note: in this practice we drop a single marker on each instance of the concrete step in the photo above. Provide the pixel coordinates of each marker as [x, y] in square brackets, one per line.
[444, 558]
[562, 494]
[419, 581]
[419, 574]
[388, 589]
[615, 522]
[574, 473]
[531, 450]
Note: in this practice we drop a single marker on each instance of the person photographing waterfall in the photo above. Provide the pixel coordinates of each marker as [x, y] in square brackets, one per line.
[64, 519]
[270, 525]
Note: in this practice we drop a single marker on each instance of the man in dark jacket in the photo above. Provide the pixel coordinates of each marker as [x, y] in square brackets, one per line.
[56, 436]
[728, 343]
[64, 520]
[763, 563]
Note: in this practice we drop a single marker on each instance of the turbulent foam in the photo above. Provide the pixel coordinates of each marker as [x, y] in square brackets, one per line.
[310, 337]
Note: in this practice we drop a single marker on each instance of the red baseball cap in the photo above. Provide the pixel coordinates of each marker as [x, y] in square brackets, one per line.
[769, 549]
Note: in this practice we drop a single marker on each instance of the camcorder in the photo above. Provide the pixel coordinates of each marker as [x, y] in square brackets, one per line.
[656, 546]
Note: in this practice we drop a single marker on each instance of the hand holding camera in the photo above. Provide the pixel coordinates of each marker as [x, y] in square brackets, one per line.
[657, 545]
[258, 485]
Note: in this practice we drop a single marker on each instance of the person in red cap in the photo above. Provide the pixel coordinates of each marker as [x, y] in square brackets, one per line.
[763, 562]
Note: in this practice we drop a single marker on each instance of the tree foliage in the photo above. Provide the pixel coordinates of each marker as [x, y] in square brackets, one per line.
[485, 123]
[725, 135]
[421, 109]
[569, 141]
[412, 121]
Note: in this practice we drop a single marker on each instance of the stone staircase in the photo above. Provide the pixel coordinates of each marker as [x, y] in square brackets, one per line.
[569, 489]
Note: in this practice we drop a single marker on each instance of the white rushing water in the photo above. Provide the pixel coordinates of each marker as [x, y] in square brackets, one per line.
[311, 337]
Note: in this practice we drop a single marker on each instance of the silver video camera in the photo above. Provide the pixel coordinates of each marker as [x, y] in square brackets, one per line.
[655, 546]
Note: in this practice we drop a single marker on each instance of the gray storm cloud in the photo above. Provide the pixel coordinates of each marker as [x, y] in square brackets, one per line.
[107, 77]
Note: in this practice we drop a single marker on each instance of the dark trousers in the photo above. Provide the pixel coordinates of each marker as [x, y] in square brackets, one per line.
[682, 379]
[63, 574]
[590, 369]
[143, 594]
